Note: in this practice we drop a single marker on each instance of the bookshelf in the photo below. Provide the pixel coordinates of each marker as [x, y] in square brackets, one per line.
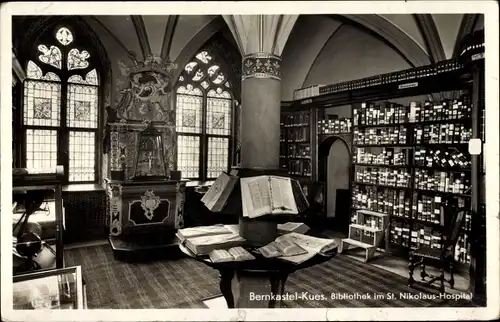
[433, 143]
[296, 144]
[408, 161]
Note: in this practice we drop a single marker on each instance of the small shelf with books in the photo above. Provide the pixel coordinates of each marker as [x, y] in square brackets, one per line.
[295, 146]
[367, 230]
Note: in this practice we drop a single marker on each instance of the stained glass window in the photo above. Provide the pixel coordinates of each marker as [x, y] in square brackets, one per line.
[51, 56]
[188, 156]
[82, 106]
[204, 111]
[64, 36]
[218, 152]
[81, 156]
[218, 116]
[77, 59]
[189, 110]
[43, 105]
[41, 148]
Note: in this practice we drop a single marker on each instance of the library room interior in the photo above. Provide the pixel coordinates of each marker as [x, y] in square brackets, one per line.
[261, 161]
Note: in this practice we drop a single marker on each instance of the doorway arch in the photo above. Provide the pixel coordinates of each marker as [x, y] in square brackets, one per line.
[334, 165]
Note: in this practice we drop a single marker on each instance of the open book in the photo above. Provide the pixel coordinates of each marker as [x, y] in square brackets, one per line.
[283, 247]
[265, 195]
[313, 246]
[232, 254]
[216, 197]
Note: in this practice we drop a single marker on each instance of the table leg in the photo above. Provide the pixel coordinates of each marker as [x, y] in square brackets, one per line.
[278, 281]
[226, 278]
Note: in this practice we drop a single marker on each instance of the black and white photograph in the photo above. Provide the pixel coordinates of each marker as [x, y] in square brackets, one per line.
[211, 159]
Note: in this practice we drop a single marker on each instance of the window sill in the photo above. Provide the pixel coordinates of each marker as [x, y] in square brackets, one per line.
[199, 183]
[82, 187]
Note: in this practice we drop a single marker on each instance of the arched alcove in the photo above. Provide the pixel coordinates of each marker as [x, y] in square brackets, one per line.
[334, 169]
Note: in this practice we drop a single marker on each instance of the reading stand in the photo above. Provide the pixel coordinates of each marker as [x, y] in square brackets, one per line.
[262, 230]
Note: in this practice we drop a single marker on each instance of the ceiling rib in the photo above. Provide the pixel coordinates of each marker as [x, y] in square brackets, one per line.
[427, 27]
[142, 35]
[168, 36]
[466, 27]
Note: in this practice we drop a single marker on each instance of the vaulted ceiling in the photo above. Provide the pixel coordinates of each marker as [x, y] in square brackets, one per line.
[417, 39]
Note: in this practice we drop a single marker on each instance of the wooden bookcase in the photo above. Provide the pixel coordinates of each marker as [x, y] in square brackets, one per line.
[440, 81]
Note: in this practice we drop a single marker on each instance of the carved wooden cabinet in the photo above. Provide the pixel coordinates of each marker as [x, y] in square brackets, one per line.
[145, 207]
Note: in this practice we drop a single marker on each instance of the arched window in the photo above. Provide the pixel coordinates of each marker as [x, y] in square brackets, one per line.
[61, 107]
[204, 105]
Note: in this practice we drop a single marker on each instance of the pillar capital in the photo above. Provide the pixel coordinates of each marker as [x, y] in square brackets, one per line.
[261, 65]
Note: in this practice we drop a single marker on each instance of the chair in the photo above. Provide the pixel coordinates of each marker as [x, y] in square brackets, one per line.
[445, 256]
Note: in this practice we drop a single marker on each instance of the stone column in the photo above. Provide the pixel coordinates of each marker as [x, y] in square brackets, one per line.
[260, 111]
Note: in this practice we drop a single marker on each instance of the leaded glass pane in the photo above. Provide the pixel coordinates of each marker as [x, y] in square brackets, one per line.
[81, 156]
[64, 36]
[77, 59]
[220, 78]
[204, 57]
[190, 66]
[41, 103]
[51, 56]
[227, 85]
[188, 156]
[190, 90]
[198, 76]
[181, 78]
[188, 114]
[218, 150]
[212, 70]
[90, 78]
[219, 93]
[204, 84]
[218, 116]
[41, 149]
[82, 106]
[35, 72]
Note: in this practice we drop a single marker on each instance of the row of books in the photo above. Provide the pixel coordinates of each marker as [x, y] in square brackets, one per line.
[335, 126]
[299, 167]
[381, 136]
[383, 176]
[383, 200]
[306, 92]
[373, 222]
[299, 150]
[449, 182]
[387, 156]
[380, 113]
[405, 75]
[440, 111]
[432, 158]
[299, 134]
[400, 233]
[425, 236]
[298, 119]
[449, 133]
[428, 209]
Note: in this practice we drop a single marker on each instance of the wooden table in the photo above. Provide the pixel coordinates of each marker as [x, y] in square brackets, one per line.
[238, 279]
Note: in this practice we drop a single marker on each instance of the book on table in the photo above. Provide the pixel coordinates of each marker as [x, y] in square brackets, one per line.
[311, 245]
[204, 244]
[289, 227]
[267, 195]
[283, 248]
[200, 231]
[215, 199]
[233, 254]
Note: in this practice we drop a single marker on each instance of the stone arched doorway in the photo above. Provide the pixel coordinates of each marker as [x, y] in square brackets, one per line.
[334, 165]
